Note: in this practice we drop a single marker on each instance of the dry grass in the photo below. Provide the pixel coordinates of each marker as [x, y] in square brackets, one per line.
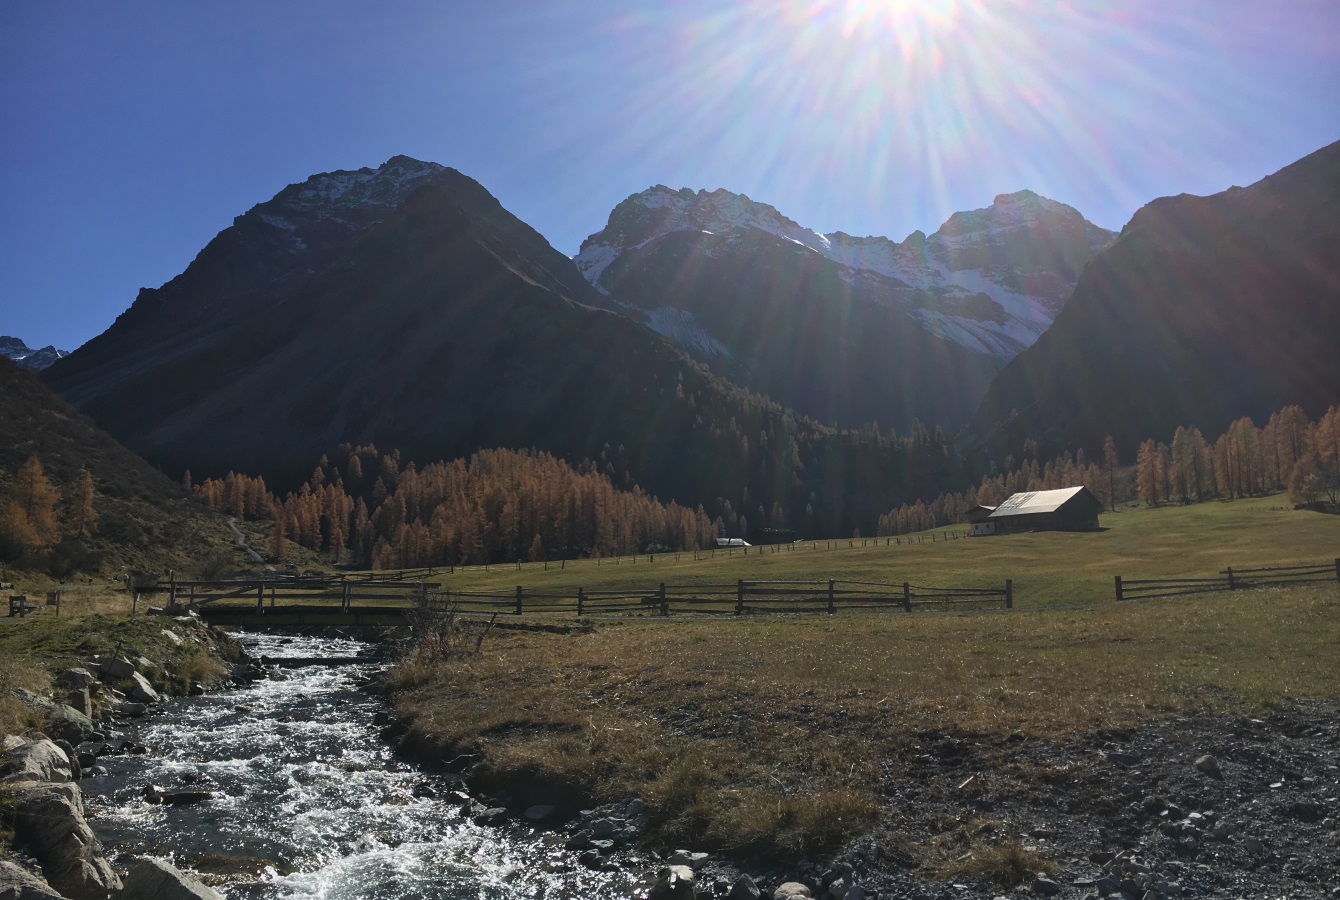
[19, 671]
[774, 736]
[1008, 864]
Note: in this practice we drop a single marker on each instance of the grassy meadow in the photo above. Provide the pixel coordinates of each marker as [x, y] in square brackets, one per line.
[1048, 568]
[779, 736]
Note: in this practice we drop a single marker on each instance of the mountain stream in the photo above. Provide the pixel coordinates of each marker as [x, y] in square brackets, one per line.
[314, 804]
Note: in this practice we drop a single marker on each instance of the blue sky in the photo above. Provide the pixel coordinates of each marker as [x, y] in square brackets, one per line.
[134, 132]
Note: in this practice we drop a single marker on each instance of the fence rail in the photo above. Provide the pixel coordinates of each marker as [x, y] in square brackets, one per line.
[1230, 579]
[741, 598]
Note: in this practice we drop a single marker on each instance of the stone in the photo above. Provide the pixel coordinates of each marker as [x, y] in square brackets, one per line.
[1254, 846]
[76, 679]
[80, 701]
[744, 888]
[855, 892]
[51, 820]
[141, 690]
[133, 708]
[37, 761]
[63, 721]
[113, 667]
[1045, 887]
[673, 883]
[1209, 765]
[602, 829]
[837, 889]
[17, 883]
[494, 815]
[635, 807]
[694, 861]
[792, 890]
[75, 768]
[172, 636]
[149, 878]
[182, 797]
[539, 812]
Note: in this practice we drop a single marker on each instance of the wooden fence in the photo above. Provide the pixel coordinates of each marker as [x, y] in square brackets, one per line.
[738, 599]
[317, 592]
[1229, 579]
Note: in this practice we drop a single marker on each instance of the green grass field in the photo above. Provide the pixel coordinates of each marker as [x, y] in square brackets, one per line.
[1048, 568]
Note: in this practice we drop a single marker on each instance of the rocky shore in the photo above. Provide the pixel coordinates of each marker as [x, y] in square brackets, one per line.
[55, 853]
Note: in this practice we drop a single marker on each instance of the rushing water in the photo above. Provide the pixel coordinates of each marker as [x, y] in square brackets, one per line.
[316, 803]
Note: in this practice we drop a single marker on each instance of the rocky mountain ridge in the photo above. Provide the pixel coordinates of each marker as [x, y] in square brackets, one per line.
[33, 360]
[990, 279]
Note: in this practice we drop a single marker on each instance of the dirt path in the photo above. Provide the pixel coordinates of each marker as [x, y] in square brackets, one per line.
[240, 540]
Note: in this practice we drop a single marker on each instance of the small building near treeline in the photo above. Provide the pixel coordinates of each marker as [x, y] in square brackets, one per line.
[727, 543]
[979, 517]
[1063, 509]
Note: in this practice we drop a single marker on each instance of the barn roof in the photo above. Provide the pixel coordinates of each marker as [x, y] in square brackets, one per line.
[1030, 503]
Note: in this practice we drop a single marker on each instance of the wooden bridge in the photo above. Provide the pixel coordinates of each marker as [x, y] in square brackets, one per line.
[284, 602]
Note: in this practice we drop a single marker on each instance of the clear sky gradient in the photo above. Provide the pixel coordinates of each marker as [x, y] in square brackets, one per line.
[132, 133]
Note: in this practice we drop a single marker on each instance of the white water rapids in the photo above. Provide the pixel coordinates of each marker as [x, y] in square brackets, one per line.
[319, 803]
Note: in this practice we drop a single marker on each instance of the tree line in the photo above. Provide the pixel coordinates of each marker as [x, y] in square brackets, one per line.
[1290, 453]
[365, 507]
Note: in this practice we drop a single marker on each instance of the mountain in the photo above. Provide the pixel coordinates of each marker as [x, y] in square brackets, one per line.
[842, 328]
[1205, 309]
[404, 307]
[27, 357]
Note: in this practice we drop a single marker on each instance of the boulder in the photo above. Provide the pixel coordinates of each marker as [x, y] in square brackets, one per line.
[17, 883]
[744, 889]
[141, 691]
[76, 679]
[81, 701]
[62, 721]
[50, 819]
[113, 667]
[792, 890]
[694, 861]
[37, 761]
[539, 812]
[1209, 765]
[149, 878]
[673, 883]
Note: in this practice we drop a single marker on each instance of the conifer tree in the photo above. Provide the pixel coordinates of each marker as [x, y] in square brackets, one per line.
[36, 502]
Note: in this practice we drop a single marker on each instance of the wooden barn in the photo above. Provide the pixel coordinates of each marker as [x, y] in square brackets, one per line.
[1064, 509]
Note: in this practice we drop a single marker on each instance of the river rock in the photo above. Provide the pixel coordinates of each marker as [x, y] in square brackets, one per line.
[62, 721]
[81, 701]
[37, 761]
[1209, 765]
[539, 812]
[17, 883]
[113, 667]
[792, 890]
[694, 861]
[50, 818]
[141, 690]
[673, 883]
[149, 878]
[744, 888]
[76, 679]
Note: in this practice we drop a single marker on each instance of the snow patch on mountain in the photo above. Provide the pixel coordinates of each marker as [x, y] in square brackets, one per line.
[683, 329]
[33, 360]
[948, 264]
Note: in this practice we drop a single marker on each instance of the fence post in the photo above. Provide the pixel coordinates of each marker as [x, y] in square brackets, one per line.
[739, 597]
[1009, 593]
[907, 597]
[1337, 569]
[260, 598]
[665, 605]
[172, 587]
[1117, 578]
[344, 597]
[581, 600]
[1231, 584]
[831, 608]
[518, 599]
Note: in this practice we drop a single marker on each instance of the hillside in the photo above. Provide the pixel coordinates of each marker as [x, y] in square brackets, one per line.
[1206, 309]
[144, 519]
